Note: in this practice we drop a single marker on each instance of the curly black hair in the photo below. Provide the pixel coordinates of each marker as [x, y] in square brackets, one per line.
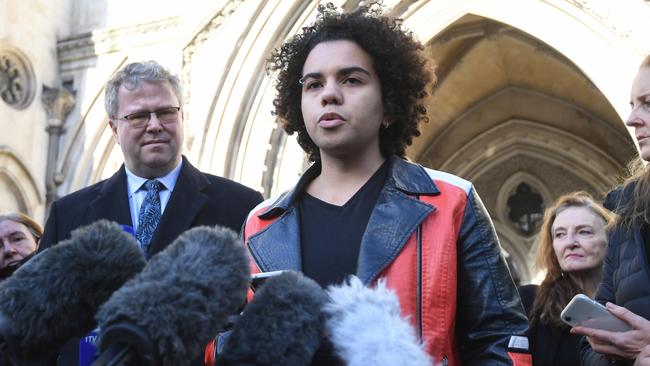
[403, 69]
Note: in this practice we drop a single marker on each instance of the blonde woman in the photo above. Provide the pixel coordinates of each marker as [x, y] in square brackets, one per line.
[570, 248]
[625, 288]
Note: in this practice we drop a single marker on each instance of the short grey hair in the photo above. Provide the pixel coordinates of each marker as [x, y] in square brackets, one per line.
[131, 75]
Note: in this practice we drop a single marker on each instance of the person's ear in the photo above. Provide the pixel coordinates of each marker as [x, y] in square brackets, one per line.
[113, 125]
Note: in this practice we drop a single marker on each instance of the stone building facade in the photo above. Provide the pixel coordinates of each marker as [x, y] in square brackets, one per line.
[530, 103]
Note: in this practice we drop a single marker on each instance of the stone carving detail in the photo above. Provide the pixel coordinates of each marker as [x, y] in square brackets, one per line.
[606, 13]
[16, 79]
[58, 103]
[201, 37]
[76, 51]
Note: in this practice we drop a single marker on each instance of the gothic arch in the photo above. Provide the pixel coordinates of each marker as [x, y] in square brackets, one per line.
[516, 137]
[518, 246]
[229, 94]
[583, 31]
[582, 24]
[238, 125]
[547, 153]
[17, 178]
[89, 143]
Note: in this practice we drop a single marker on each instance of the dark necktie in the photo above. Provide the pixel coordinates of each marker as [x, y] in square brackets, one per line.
[149, 213]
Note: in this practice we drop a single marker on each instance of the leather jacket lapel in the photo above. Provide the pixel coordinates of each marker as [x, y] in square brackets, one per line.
[395, 218]
[278, 246]
[392, 222]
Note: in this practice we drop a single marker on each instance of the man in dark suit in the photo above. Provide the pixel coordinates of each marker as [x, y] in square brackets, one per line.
[157, 191]
[144, 103]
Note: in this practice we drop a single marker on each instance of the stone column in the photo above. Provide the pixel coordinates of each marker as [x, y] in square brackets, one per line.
[58, 103]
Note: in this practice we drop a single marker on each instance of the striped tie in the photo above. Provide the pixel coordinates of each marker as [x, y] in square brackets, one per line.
[149, 214]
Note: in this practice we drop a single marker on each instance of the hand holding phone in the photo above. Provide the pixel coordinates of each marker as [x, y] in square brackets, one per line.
[585, 312]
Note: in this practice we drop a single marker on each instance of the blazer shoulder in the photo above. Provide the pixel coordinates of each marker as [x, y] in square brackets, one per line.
[81, 195]
[444, 178]
[229, 186]
[116, 182]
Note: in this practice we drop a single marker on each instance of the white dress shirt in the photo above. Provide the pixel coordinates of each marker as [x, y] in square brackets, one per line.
[137, 193]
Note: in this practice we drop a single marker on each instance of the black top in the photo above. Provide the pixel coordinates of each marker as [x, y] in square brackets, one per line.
[549, 344]
[626, 272]
[331, 235]
[645, 234]
[330, 239]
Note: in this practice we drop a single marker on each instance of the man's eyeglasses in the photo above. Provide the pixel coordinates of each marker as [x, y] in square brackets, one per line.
[164, 115]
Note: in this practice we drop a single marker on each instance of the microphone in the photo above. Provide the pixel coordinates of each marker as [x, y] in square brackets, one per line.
[282, 325]
[182, 298]
[366, 328]
[54, 296]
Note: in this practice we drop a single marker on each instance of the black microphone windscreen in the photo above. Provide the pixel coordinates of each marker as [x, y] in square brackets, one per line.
[183, 297]
[282, 325]
[55, 295]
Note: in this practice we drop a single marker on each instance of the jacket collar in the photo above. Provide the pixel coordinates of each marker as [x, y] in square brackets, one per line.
[405, 176]
[111, 201]
[396, 215]
[185, 203]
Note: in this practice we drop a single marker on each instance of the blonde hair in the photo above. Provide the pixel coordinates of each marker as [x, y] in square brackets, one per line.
[34, 228]
[558, 288]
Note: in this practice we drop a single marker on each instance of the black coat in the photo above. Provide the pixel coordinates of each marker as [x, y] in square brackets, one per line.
[626, 274]
[549, 345]
[197, 199]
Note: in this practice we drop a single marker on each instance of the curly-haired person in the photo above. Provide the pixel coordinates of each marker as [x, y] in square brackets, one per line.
[353, 86]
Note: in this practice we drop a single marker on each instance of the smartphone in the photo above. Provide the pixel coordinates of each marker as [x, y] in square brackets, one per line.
[258, 279]
[585, 312]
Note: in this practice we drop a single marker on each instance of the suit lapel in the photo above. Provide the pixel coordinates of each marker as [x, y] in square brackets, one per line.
[112, 201]
[185, 202]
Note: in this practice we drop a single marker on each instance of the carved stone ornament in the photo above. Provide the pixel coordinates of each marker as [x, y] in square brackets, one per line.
[16, 79]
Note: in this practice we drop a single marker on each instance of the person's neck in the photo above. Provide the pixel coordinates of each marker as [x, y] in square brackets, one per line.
[151, 173]
[342, 177]
[588, 281]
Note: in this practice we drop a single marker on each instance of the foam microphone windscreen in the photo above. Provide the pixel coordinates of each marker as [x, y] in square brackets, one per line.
[366, 328]
[182, 298]
[282, 325]
[54, 296]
